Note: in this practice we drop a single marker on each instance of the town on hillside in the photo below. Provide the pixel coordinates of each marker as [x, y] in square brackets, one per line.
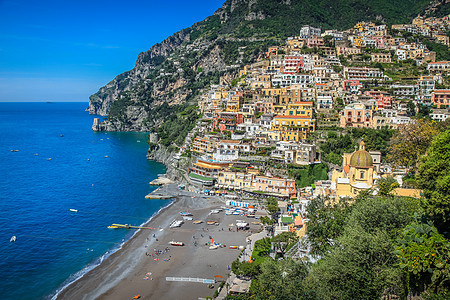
[305, 120]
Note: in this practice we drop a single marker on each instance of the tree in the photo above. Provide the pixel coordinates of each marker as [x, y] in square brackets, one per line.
[326, 221]
[272, 206]
[411, 142]
[281, 280]
[425, 255]
[282, 241]
[386, 185]
[434, 178]
[361, 263]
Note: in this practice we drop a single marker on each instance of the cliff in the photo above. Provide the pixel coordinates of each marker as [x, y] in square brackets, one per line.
[177, 70]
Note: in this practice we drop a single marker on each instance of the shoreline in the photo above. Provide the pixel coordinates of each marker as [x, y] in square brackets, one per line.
[125, 272]
[92, 266]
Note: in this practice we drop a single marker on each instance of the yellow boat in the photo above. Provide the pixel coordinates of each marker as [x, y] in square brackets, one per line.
[113, 227]
[198, 222]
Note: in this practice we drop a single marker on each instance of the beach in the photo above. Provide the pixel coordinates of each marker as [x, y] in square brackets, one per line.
[144, 262]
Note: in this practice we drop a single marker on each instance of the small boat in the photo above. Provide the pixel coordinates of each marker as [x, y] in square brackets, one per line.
[198, 222]
[113, 227]
[187, 218]
[211, 222]
[36, 154]
[73, 210]
[233, 247]
[13, 239]
[176, 243]
[213, 247]
[61, 135]
[49, 158]
[106, 156]
[185, 213]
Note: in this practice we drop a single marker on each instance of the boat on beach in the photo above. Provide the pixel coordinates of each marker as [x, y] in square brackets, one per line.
[197, 222]
[185, 213]
[154, 196]
[176, 243]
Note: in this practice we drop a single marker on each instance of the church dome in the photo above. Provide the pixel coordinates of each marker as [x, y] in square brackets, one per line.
[361, 158]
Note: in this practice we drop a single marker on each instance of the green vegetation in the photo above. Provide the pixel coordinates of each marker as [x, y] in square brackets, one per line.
[179, 121]
[306, 175]
[335, 146]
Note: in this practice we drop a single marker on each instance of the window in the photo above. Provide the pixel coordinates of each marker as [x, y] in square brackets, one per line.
[362, 174]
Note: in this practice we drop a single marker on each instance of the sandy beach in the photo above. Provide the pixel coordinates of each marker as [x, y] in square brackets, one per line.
[138, 269]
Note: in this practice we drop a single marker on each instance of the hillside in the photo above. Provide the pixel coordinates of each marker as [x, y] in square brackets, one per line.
[178, 69]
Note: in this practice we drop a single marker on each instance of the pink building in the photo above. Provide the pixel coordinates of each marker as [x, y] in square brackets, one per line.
[352, 86]
[383, 99]
[356, 115]
[314, 41]
[293, 64]
[275, 185]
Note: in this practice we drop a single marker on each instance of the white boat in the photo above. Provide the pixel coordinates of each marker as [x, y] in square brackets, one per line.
[187, 218]
[176, 243]
[213, 247]
[176, 224]
[13, 239]
[73, 210]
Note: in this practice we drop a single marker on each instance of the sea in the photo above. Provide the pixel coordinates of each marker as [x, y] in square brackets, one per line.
[61, 164]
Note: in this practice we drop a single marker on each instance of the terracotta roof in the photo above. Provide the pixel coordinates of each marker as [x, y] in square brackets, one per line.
[230, 141]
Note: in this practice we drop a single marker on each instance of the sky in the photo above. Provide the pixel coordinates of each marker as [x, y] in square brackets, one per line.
[65, 50]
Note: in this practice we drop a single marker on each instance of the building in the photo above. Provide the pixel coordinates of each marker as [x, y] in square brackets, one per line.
[293, 128]
[294, 153]
[439, 114]
[356, 115]
[441, 98]
[439, 66]
[381, 57]
[309, 31]
[362, 73]
[275, 185]
[358, 173]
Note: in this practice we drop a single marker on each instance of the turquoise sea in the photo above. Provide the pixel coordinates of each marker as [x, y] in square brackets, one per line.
[61, 164]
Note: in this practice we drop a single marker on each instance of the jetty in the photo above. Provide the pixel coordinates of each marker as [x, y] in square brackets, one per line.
[155, 196]
[128, 226]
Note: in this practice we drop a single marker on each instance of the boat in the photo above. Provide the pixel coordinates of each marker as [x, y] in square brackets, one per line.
[49, 158]
[113, 227]
[162, 197]
[185, 213]
[211, 222]
[61, 135]
[233, 247]
[198, 222]
[213, 247]
[36, 154]
[106, 156]
[13, 239]
[187, 218]
[176, 243]
[73, 210]
[176, 224]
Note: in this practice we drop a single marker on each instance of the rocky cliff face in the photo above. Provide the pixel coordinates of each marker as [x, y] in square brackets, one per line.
[181, 67]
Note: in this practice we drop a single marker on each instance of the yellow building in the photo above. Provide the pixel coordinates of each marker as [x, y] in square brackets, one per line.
[299, 109]
[293, 128]
[357, 174]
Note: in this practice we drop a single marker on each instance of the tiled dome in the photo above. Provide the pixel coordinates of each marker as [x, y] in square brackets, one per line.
[361, 158]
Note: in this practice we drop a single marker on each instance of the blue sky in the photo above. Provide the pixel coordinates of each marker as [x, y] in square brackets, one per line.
[65, 50]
